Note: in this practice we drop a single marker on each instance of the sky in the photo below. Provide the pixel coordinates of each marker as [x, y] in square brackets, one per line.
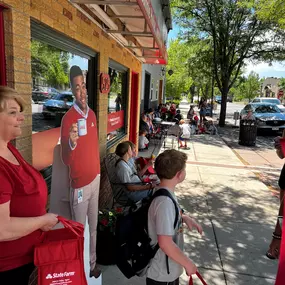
[263, 69]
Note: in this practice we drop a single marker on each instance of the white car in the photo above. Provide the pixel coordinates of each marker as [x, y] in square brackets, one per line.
[270, 100]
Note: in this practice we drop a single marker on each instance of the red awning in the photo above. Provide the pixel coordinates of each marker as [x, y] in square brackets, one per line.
[134, 23]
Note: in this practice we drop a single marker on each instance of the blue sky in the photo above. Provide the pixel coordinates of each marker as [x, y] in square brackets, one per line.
[80, 61]
[263, 69]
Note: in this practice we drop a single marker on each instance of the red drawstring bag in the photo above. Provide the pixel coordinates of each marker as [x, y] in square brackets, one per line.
[59, 258]
[199, 276]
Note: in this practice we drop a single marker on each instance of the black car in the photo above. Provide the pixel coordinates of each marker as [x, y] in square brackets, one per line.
[61, 103]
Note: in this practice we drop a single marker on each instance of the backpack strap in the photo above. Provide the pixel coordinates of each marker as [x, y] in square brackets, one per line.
[165, 192]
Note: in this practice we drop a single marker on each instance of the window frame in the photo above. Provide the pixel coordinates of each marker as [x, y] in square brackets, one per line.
[47, 35]
[121, 68]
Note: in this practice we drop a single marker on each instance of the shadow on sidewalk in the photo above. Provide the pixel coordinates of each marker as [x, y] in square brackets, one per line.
[238, 223]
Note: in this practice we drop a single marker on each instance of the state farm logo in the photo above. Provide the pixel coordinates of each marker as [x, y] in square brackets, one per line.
[60, 275]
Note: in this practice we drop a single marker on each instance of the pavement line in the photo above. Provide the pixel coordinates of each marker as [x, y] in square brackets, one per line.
[247, 167]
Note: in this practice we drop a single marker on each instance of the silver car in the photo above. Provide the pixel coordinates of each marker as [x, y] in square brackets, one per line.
[270, 100]
[268, 116]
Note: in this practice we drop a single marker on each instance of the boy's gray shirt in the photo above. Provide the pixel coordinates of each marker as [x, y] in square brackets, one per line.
[161, 217]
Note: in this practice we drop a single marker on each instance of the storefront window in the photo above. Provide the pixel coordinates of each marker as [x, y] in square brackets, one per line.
[51, 93]
[117, 102]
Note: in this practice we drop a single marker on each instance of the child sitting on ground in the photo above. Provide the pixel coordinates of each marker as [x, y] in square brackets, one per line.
[185, 134]
[210, 128]
[170, 167]
[143, 141]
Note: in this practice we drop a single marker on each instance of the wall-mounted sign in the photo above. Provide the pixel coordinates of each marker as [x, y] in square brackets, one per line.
[115, 121]
[105, 83]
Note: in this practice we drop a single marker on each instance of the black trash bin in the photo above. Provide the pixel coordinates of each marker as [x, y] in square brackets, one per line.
[247, 132]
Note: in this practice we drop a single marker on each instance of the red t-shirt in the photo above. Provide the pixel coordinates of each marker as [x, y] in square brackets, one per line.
[84, 160]
[26, 190]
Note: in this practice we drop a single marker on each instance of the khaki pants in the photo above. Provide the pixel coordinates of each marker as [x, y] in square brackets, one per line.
[87, 208]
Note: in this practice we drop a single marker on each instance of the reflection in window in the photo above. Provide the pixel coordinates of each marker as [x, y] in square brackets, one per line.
[117, 99]
[51, 93]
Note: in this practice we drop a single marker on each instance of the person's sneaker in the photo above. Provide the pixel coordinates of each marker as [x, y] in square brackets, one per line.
[96, 272]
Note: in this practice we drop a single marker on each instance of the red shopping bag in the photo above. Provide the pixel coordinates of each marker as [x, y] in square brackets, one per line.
[199, 276]
[59, 257]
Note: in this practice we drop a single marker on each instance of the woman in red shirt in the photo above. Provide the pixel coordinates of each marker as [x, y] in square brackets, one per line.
[23, 197]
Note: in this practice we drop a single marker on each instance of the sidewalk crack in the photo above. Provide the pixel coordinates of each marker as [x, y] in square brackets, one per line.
[218, 248]
[213, 227]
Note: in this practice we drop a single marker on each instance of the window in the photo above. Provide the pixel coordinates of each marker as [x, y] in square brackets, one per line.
[156, 92]
[52, 56]
[151, 90]
[117, 102]
[51, 93]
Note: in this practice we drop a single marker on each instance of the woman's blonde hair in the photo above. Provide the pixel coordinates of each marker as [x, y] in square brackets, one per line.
[7, 93]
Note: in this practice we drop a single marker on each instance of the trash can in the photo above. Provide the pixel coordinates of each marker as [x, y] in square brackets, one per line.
[247, 132]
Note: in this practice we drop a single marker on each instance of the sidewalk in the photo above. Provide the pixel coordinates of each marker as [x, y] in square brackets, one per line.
[262, 158]
[237, 212]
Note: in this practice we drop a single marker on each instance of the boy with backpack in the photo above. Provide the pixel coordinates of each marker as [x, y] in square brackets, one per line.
[163, 227]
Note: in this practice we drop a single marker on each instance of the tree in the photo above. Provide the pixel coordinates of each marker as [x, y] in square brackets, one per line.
[180, 81]
[273, 10]
[50, 63]
[281, 84]
[249, 87]
[236, 35]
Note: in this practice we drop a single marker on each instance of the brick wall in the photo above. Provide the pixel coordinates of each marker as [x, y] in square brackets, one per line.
[64, 18]
[18, 63]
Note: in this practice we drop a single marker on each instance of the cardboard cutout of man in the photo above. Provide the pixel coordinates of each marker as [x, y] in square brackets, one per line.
[80, 152]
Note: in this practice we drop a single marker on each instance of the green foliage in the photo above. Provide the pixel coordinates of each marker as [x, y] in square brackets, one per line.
[180, 81]
[249, 87]
[234, 34]
[175, 101]
[282, 84]
[191, 62]
[273, 11]
[50, 63]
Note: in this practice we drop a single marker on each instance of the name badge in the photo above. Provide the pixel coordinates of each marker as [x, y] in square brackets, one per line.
[80, 196]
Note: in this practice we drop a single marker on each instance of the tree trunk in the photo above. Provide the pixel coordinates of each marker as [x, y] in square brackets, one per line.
[223, 111]
[198, 94]
[212, 95]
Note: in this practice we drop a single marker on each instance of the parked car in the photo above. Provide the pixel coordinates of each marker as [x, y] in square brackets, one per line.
[40, 94]
[230, 99]
[268, 116]
[270, 100]
[61, 103]
[53, 92]
[218, 99]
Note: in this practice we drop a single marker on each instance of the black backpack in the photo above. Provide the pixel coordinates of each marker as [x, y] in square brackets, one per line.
[133, 249]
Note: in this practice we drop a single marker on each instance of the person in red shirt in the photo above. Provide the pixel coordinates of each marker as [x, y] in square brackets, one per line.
[23, 198]
[80, 152]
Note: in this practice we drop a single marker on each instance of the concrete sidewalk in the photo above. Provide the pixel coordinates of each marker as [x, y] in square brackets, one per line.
[237, 212]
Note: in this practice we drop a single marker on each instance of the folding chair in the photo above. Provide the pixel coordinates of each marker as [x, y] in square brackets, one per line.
[173, 133]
